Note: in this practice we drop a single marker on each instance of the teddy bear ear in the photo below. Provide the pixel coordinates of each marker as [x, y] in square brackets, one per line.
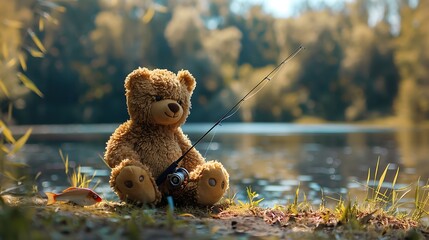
[186, 78]
[134, 76]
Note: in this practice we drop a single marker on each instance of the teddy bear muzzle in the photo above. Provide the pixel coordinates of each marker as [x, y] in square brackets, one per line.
[166, 112]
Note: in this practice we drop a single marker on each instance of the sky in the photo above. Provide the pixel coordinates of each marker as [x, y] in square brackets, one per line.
[286, 8]
[280, 8]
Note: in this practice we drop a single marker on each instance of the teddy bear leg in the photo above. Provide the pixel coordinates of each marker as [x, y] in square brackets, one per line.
[212, 182]
[133, 182]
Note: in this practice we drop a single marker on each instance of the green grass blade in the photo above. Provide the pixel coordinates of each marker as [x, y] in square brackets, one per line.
[36, 40]
[386, 190]
[394, 193]
[374, 195]
[16, 164]
[21, 141]
[3, 88]
[295, 200]
[104, 161]
[381, 180]
[4, 148]
[29, 84]
[34, 52]
[150, 13]
[65, 161]
[417, 194]
[11, 176]
[367, 184]
[41, 24]
[21, 58]
[6, 132]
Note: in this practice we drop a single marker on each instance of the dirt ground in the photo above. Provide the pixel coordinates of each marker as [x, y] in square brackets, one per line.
[20, 216]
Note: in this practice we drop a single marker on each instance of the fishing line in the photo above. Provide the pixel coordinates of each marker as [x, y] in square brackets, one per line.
[226, 117]
[256, 91]
[262, 83]
[232, 114]
[211, 141]
[172, 168]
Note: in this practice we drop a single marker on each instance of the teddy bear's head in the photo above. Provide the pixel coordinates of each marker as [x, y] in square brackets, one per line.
[159, 97]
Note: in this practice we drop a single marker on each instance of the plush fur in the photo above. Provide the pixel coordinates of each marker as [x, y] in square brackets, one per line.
[142, 148]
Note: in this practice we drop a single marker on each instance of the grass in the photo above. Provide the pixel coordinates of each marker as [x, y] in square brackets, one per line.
[421, 201]
[252, 202]
[77, 178]
[378, 215]
[391, 200]
[10, 177]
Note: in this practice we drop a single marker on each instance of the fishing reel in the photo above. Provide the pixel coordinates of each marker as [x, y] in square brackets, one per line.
[178, 178]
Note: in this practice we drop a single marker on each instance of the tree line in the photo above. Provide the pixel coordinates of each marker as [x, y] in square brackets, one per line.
[354, 67]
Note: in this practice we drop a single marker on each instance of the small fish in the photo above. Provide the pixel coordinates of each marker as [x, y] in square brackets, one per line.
[79, 196]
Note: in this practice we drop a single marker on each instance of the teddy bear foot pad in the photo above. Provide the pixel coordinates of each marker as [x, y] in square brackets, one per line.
[134, 184]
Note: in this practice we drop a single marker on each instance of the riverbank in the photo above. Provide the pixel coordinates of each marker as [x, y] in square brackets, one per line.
[380, 213]
[22, 217]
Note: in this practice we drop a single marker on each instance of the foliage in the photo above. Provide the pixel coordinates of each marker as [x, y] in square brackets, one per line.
[412, 60]
[389, 200]
[354, 67]
[252, 197]
[15, 223]
[382, 210]
[77, 178]
[18, 42]
[9, 175]
[378, 214]
[421, 201]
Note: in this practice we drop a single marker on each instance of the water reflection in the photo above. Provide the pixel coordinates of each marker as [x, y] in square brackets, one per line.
[414, 144]
[272, 158]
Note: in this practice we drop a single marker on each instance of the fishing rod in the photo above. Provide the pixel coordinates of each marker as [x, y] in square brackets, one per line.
[177, 175]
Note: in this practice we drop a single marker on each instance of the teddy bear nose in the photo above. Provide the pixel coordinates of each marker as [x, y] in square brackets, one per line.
[173, 107]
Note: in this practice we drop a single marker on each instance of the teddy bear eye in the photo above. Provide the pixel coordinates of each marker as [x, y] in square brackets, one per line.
[157, 98]
[179, 102]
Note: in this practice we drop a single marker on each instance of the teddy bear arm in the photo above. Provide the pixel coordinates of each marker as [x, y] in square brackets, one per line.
[193, 158]
[118, 154]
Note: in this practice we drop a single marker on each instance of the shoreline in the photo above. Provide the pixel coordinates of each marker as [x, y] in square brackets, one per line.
[230, 220]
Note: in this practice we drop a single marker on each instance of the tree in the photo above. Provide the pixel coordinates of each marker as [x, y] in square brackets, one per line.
[412, 59]
[368, 73]
[316, 78]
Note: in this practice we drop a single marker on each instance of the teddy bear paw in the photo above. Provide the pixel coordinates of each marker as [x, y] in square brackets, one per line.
[134, 184]
[212, 184]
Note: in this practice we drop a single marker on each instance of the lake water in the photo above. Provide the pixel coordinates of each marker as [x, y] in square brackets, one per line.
[274, 159]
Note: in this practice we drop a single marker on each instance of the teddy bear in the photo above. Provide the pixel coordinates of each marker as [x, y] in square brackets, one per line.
[139, 150]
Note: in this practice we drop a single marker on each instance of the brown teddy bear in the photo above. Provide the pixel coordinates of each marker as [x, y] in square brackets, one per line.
[142, 148]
